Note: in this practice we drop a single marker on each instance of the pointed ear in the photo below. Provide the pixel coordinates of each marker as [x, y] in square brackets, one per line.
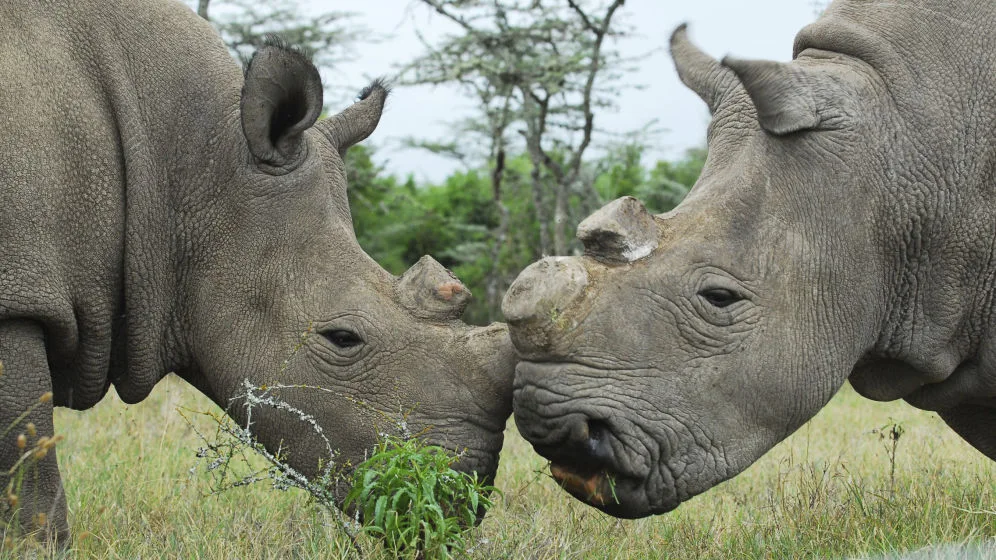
[357, 121]
[702, 73]
[281, 98]
[783, 93]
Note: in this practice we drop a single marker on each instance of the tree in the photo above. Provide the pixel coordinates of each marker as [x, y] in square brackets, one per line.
[244, 25]
[661, 188]
[533, 68]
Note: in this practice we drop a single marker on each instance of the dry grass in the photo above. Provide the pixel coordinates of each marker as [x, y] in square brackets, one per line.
[824, 493]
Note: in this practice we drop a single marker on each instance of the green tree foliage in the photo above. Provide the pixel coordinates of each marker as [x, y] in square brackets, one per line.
[660, 188]
[540, 72]
[397, 221]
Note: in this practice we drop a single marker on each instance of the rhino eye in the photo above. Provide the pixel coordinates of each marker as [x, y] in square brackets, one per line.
[343, 338]
[719, 297]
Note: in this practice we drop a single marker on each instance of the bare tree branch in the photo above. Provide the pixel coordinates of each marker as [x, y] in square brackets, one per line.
[545, 61]
[589, 117]
[584, 17]
[452, 17]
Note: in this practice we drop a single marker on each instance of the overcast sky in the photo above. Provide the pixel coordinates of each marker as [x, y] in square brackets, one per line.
[752, 29]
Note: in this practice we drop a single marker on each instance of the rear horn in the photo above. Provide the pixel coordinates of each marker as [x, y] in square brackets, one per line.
[622, 231]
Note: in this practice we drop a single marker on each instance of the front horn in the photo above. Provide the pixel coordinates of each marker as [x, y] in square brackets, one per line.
[429, 291]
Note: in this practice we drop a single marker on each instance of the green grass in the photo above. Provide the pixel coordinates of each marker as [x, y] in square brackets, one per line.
[826, 492]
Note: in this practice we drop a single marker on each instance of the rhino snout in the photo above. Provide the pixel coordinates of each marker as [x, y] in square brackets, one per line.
[493, 348]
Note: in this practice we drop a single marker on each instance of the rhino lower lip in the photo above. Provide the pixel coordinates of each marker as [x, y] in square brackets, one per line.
[595, 488]
[617, 495]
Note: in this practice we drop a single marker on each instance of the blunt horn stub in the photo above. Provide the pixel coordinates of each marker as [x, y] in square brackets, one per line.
[430, 291]
[622, 231]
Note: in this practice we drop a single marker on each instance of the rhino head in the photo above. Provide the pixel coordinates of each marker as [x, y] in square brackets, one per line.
[681, 347]
[279, 292]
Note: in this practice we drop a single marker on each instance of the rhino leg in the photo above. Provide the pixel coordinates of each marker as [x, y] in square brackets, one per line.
[40, 500]
[974, 423]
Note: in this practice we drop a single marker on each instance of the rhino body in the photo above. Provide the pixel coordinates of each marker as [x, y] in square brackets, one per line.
[844, 228]
[162, 211]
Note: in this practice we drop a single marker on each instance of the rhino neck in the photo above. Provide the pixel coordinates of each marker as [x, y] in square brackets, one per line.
[931, 166]
[173, 88]
[934, 56]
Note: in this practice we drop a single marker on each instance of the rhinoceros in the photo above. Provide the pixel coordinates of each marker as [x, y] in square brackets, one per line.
[163, 211]
[844, 228]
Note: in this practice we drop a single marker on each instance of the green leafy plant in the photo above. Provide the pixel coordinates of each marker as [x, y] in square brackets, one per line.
[411, 499]
[412, 502]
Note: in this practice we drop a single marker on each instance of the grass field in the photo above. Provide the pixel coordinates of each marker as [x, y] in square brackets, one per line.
[827, 492]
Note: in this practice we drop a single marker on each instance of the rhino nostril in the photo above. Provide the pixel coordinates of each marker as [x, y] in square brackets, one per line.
[587, 442]
[597, 444]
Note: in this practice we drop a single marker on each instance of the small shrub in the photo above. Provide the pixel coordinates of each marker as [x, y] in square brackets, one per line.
[413, 501]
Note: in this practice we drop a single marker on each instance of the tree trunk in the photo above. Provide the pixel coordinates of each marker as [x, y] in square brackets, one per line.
[542, 216]
[493, 286]
[560, 219]
[202, 8]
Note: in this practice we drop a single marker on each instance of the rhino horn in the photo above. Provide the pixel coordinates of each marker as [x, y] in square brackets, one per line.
[430, 291]
[700, 72]
[782, 93]
[357, 121]
[621, 231]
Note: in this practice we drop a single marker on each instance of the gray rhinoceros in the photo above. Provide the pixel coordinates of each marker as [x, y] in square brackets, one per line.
[162, 211]
[844, 228]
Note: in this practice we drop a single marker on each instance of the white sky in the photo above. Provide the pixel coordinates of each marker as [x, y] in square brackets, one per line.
[745, 28]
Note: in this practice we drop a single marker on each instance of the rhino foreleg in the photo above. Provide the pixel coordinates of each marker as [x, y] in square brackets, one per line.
[31, 491]
[974, 423]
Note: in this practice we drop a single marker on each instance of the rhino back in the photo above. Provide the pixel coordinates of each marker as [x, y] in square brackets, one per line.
[935, 58]
[97, 106]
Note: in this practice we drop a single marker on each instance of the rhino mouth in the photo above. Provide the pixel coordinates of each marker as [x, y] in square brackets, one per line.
[589, 443]
[617, 495]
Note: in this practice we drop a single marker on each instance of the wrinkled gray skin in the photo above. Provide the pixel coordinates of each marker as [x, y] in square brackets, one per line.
[843, 229]
[160, 213]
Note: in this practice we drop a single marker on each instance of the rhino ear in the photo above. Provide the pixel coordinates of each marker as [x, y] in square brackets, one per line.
[359, 120]
[702, 73]
[281, 98]
[783, 94]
